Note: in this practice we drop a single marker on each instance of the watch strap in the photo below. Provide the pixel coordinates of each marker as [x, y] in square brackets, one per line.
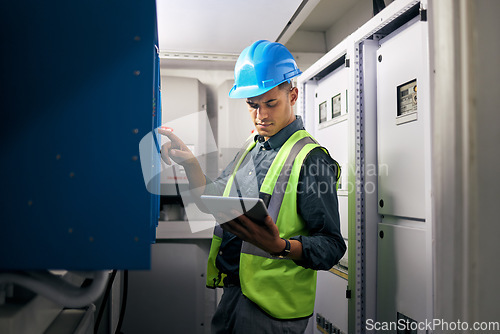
[286, 251]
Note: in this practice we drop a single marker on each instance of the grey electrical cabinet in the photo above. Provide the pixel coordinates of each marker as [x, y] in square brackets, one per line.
[404, 272]
[184, 110]
[326, 116]
[234, 124]
[400, 121]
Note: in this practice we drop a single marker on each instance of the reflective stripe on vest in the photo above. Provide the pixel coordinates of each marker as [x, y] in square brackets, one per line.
[279, 190]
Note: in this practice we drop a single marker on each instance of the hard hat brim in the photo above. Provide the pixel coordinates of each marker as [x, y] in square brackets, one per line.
[248, 91]
[252, 91]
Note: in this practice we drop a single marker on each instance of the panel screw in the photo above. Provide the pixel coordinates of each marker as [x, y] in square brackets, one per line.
[379, 58]
[136, 131]
[137, 38]
[71, 175]
[381, 234]
[58, 157]
[134, 158]
[137, 73]
[30, 203]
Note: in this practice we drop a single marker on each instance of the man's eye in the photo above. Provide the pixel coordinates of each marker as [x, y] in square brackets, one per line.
[254, 106]
[270, 105]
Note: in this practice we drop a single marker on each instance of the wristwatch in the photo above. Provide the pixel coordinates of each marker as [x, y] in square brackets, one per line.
[284, 253]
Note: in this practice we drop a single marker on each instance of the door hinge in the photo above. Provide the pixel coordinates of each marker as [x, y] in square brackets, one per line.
[423, 14]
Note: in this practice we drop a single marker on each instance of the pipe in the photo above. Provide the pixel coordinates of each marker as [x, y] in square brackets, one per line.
[57, 289]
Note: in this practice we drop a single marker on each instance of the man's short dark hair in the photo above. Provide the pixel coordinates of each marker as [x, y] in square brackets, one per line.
[286, 86]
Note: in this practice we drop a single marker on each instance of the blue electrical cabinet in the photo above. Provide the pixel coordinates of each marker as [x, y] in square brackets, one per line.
[80, 89]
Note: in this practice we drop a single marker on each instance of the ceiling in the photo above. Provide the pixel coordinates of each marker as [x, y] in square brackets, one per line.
[325, 13]
[218, 30]
[220, 26]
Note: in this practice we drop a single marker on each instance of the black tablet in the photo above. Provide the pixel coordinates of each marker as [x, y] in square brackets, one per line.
[253, 208]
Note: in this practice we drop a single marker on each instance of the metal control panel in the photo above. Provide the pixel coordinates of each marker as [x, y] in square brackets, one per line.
[402, 271]
[407, 102]
[404, 284]
[330, 127]
[337, 105]
[234, 125]
[400, 137]
[75, 113]
[184, 102]
[328, 121]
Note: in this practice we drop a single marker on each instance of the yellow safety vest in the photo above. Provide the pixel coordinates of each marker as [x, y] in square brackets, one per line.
[280, 287]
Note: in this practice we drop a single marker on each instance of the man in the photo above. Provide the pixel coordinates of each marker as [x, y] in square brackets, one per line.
[269, 271]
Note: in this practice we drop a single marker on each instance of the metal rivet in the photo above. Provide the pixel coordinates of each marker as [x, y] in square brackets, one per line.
[30, 203]
[137, 73]
[136, 239]
[91, 239]
[135, 157]
[137, 38]
[71, 175]
[135, 131]
[58, 157]
[70, 230]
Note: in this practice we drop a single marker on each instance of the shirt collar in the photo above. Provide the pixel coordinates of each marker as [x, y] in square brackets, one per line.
[282, 136]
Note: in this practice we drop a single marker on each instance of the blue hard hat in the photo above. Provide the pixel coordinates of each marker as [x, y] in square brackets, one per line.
[261, 67]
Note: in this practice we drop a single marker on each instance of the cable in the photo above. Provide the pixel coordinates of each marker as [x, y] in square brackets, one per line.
[104, 301]
[124, 302]
[57, 289]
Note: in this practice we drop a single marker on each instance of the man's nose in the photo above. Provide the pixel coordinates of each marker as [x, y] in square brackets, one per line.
[262, 113]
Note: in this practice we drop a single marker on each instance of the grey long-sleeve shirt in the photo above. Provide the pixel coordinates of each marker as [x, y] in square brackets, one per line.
[317, 202]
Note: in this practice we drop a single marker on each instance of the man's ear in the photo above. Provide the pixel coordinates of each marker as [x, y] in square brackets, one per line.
[293, 95]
